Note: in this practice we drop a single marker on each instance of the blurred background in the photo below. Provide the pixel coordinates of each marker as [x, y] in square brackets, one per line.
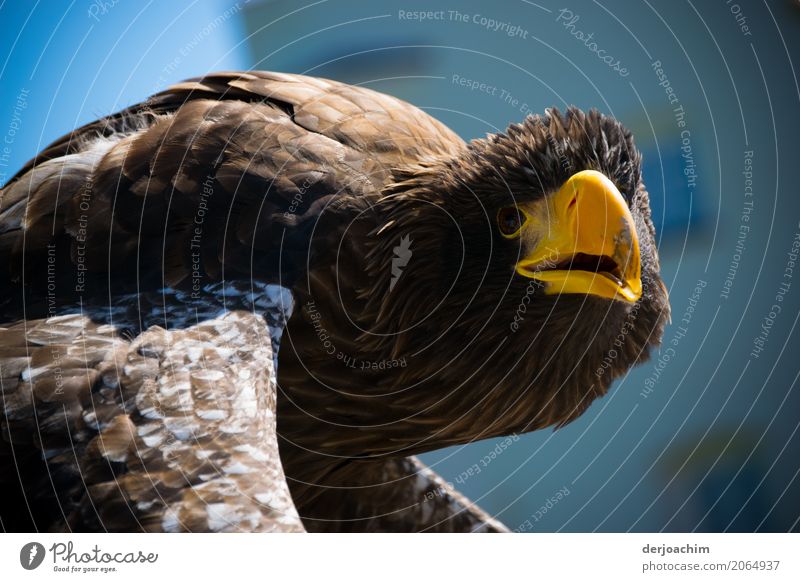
[701, 438]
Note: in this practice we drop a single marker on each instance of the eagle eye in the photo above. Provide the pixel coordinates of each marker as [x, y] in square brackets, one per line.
[510, 220]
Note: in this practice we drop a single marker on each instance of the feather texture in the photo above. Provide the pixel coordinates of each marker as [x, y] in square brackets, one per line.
[156, 410]
[156, 258]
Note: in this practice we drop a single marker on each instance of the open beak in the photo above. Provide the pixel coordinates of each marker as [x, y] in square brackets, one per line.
[583, 240]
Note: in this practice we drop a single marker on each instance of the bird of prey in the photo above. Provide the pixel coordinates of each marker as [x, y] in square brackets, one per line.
[248, 302]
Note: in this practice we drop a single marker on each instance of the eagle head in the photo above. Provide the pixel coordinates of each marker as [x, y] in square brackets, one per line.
[497, 291]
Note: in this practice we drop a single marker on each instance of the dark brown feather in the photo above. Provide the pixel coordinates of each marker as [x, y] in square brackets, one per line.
[221, 185]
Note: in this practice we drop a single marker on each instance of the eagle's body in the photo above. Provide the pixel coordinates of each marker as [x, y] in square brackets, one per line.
[155, 256]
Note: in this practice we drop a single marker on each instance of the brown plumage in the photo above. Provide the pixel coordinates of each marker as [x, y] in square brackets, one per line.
[182, 232]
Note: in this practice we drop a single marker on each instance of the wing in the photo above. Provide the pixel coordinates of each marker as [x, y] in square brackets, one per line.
[173, 430]
[222, 176]
[395, 495]
[387, 128]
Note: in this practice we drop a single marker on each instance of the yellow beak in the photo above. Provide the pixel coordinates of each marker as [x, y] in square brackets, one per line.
[584, 240]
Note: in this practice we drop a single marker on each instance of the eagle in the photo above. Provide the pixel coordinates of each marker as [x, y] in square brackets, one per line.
[248, 302]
